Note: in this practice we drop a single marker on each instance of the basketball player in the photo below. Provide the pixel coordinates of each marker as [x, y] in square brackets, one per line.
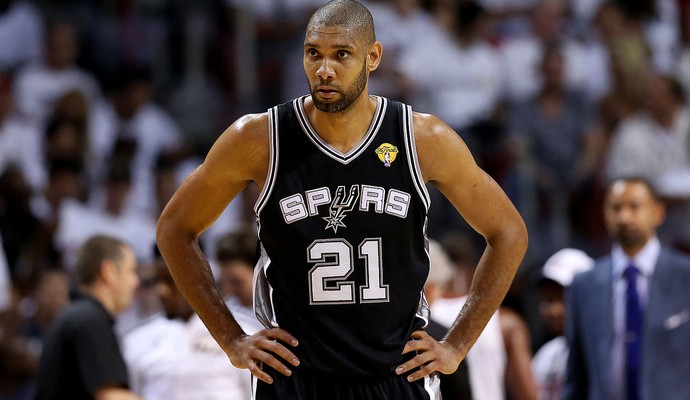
[341, 221]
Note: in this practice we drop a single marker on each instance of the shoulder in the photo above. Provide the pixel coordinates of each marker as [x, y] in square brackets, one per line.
[242, 148]
[248, 129]
[439, 147]
[81, 315]
[431, 133]
[673, 258]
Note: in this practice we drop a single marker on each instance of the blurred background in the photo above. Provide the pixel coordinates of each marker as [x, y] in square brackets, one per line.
[105, 107]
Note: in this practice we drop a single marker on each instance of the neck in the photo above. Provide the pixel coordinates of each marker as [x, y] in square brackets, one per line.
[102, 296]
[345, 129]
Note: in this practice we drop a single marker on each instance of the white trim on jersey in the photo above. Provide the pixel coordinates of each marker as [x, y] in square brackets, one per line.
[263, 292]
[412, 160]
[272, 163]
[432, 385]
[381, 106]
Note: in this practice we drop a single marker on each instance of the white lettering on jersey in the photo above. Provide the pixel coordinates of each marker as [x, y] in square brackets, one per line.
[397, 203]
[372, 195]
[295, 208]
[317, 197]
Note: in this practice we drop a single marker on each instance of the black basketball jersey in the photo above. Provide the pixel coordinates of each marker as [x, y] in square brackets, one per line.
[343, 257]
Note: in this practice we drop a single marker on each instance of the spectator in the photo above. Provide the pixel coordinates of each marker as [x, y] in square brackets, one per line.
[550, 360]
[655, 140]
[552, 128]
[420, 28]
[655, 143]
[20, 140]
[235, 254]
[39, 85]
[81, 357]
[468, 93]
[627, 321]
[21, 32]
[175, 357]
[584, 67]
[78, 221]
[455, 386]
[17, 223]
[132, 128]
[500, 359]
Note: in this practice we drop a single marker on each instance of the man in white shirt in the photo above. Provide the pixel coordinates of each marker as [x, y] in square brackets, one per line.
[174, 357]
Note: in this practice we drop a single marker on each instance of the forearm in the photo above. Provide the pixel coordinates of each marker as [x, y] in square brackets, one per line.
[193, 276]
[492, 279]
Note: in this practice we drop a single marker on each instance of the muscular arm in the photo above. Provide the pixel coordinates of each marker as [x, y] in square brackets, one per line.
[447, 163]
[238, 157]
[233, 161]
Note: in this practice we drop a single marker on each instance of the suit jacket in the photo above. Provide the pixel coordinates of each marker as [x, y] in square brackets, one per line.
[665, 372]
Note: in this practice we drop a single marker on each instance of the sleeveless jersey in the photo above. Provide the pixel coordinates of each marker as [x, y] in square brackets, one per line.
[343, 256]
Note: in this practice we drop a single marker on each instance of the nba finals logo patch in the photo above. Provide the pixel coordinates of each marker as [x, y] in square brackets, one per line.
[387, 153]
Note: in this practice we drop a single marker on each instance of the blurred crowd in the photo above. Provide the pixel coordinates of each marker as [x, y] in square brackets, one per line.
[106, 106]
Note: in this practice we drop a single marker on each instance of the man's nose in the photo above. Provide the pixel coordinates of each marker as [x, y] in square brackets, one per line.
[325, 71]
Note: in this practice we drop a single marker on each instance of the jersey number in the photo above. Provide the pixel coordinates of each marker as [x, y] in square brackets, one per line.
[334, 262]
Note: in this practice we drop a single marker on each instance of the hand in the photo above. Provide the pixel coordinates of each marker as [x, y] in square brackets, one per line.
[264, 348]
[432, 356]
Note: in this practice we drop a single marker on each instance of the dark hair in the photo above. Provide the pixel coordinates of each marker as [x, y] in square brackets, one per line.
[468, 13]
[65, 164]
[347, 13]
[92, 254]
[635, 179]
[238, 245]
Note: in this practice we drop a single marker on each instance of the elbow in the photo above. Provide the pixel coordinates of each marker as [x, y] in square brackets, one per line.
[521, 236]
[167, 230]
[513, 235]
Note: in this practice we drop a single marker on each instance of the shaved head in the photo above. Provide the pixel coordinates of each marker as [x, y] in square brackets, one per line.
[348, 14]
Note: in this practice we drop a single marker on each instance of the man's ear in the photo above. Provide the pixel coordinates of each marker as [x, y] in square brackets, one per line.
[108, 271]
[374, 54]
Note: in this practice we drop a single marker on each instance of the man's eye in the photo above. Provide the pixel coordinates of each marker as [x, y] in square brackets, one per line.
[343, 54]
[312, 52]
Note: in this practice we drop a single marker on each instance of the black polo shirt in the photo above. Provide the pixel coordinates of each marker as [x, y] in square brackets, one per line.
[80, 354]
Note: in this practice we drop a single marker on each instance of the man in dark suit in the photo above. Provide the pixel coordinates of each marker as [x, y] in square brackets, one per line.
[628, 320]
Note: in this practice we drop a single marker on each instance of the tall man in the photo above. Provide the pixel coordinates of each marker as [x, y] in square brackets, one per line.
[341, 215]
[628, 319]
[81, 357]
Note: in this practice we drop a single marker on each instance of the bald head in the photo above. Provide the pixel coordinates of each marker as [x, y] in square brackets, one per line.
[348, 14]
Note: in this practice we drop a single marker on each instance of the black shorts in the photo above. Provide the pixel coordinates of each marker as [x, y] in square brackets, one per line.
[306, 386]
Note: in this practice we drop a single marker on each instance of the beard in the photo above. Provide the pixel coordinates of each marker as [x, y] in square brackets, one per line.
[630, 238]
[349, 96]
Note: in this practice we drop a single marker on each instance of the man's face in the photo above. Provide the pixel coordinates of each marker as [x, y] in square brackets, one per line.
[631, 213]
[173, 303]
[237, 280]
[552, 307]
[336, 68]
[128, 280]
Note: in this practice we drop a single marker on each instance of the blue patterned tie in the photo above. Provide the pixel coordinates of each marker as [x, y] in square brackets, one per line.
[633, 337]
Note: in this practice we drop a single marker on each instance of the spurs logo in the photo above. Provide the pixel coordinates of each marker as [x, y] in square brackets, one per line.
[340, 206]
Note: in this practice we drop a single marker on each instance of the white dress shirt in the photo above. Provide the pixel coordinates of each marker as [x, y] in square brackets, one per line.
[180, 360]
[645, 261]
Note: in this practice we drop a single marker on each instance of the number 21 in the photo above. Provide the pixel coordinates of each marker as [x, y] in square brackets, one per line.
[336, 271]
